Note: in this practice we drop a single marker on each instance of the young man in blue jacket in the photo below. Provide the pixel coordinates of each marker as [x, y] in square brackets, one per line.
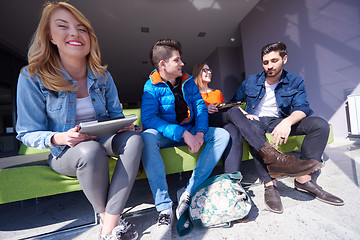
[173, 113]
[276, 103]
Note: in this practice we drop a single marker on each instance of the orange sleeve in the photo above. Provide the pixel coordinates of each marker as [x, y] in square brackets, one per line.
[213, 96]
[221, 97]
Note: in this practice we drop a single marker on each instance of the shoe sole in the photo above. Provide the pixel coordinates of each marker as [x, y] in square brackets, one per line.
[311, 194]
[277, 175]
[272, 210]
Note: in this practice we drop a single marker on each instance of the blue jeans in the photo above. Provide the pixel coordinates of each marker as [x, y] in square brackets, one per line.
[216, 140]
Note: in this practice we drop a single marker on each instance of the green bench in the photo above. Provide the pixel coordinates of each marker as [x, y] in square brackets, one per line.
[27, 175]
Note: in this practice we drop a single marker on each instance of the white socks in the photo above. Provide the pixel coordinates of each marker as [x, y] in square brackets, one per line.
[167, 211]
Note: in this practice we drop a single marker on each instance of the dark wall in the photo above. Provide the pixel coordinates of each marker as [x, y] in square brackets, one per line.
[10, 65]
[228, 68]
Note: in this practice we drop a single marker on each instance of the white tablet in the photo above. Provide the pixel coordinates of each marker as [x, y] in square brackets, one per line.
[106, 127]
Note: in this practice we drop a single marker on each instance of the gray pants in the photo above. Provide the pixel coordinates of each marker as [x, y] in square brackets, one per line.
[88, 161]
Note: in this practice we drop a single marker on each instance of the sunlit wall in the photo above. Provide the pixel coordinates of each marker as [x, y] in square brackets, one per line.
[323, 39]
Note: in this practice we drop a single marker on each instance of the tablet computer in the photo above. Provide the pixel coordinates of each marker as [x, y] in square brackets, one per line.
[106, 127]
[227, 105]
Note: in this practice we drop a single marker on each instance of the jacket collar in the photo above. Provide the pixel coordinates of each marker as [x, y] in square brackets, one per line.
[156, 78]
[92, 77]
[90, 74]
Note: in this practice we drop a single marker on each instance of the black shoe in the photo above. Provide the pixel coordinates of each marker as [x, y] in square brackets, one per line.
[315, 190]
[272, 199]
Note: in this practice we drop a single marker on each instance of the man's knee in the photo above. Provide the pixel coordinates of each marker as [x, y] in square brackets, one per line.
[217, 135]
[234, 132]
[319, 124]
[221, 134]
[149, 137]
[151, 150]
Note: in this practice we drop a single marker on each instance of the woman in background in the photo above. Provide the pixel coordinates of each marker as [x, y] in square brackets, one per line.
[63, 85]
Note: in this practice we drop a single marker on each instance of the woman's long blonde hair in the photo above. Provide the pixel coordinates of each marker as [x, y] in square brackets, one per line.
[197, 73]
[43, 56]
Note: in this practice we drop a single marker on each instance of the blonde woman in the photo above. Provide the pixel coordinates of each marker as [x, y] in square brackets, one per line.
[63, 85]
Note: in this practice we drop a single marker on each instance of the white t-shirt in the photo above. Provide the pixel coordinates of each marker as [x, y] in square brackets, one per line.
[268, 106]
[84, 110]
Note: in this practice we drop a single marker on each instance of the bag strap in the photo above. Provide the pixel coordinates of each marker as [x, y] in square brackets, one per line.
[181, 222]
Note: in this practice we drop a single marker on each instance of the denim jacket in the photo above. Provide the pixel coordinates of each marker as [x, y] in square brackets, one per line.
[43, 112]
[290, 94]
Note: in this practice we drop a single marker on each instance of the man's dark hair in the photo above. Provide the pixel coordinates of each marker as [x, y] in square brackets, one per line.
[162, 50]
[274, 47]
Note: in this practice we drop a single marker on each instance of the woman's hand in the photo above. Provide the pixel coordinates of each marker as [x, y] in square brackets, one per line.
[130, 128]
[212, 108]
[71, 137]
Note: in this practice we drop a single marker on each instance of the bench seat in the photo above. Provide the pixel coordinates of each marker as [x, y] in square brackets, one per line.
[20, 180]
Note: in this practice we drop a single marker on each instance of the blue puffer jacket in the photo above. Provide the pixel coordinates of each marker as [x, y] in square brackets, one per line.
[158, 107]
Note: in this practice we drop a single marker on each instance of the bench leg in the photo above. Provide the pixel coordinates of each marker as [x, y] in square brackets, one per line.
[97, 218]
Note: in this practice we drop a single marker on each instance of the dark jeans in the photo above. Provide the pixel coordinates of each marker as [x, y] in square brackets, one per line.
[315, 129]
[239, 128]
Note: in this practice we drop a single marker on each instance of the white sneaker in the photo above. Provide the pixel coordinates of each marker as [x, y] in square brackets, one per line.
[107, 237]
[184, 199]
[163, 227]
[123, 231]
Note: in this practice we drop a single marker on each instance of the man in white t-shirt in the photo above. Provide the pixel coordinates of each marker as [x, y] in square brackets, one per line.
[276, 103]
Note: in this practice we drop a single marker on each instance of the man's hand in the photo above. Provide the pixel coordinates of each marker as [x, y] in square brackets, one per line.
[212, 108]
[194, 142]
[252, 117]
[200, 137]
[71, 137]
[281, 132]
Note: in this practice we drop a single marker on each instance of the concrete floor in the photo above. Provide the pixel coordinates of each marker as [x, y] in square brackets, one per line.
[304, 217]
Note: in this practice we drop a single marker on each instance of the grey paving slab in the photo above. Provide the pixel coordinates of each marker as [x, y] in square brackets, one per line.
[304, 217]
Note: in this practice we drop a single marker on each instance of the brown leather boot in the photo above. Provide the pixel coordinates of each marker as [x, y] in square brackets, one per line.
[280, 164]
